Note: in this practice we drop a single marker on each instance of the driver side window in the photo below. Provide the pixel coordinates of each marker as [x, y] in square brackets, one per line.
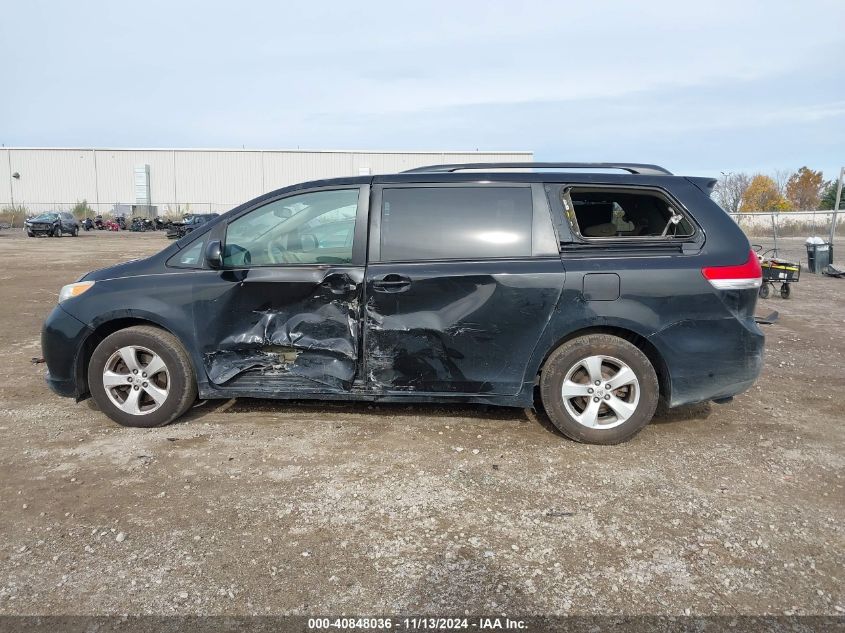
[309, 228]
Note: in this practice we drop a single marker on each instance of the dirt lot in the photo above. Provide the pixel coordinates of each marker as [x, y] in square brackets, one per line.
[264, 507]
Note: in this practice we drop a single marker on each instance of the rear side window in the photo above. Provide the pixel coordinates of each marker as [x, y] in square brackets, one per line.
[620, 214]
[420, 223]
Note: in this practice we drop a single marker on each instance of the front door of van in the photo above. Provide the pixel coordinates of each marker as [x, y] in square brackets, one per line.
[283, 313]
[461, 283]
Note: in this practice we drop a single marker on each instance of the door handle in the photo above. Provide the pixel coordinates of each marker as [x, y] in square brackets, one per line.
[391, 283]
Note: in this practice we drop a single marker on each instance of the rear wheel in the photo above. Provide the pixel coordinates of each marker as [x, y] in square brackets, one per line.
[764, 291]
[75, 232]
[142, 377]
[599, 389]
[785, 291]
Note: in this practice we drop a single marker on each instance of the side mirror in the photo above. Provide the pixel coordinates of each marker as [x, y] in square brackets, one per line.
[214, 254]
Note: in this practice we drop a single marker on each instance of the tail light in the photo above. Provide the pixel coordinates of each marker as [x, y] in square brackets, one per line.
[743, 277]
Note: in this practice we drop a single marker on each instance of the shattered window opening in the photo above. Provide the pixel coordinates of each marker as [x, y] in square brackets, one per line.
[596, 213]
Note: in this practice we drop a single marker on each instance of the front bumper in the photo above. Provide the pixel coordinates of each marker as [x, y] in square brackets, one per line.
[62, 340]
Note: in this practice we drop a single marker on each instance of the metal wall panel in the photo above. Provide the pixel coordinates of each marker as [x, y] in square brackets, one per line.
[203, 180]
[114, 175]
[55, 177]
[218, 176]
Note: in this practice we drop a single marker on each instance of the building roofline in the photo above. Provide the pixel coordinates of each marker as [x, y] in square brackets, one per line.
[280, 151]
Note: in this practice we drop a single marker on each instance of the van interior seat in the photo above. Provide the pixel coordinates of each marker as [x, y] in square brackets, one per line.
[596, 219]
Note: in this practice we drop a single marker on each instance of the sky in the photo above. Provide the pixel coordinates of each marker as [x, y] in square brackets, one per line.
[698, 87]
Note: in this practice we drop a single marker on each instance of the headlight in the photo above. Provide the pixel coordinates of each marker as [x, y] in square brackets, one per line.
[74, 290]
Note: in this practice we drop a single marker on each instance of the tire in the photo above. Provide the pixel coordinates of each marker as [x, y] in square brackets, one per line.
[785, 291]
[175, 384]
[28, 234]
[56, 232]
[636, 399]
[75, 232]
[764, 291]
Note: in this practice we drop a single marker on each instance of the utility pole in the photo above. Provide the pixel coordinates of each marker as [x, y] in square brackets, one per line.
[836, 206]
[11, 178]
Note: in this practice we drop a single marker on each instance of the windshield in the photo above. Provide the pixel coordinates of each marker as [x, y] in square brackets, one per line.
[45, 217]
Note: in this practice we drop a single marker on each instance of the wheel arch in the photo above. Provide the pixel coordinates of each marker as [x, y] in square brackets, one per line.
[104, 329]
[646, 346]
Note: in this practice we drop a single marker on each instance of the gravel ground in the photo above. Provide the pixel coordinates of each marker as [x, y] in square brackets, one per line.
[261, 507]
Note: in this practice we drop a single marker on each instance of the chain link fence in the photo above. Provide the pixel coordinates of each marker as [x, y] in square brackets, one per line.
[785, 233]
[13, 216]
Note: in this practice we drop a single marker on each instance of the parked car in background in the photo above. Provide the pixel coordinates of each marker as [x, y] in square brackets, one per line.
[52, 224]
[190, 223]
[599, 292]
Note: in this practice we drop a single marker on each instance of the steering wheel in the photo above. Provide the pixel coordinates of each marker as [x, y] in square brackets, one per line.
[278, 255]
[275, 254]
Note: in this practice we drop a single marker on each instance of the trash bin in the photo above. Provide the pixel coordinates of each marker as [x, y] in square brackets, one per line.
[819, 254]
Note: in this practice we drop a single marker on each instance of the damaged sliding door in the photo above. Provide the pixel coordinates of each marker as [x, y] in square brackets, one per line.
[461, 282]
[283, 314]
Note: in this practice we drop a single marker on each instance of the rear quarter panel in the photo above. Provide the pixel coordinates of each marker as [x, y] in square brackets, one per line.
[708, 341]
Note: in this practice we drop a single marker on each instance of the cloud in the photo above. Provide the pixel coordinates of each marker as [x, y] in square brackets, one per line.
[660, 77]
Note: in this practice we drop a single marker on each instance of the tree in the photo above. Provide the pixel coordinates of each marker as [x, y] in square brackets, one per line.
[804, 188]
[762, 195]
[827, 201]
[781, 178]
[81, 210]
[14, 214]
[729, 190]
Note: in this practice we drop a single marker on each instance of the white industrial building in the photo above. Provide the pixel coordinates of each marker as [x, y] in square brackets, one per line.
[197, 180]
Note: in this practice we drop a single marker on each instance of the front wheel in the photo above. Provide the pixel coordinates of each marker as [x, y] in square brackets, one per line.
[599, 389]
[57, 232]
[785, 291]
[141, 377]
[75, 232]
[764, 291]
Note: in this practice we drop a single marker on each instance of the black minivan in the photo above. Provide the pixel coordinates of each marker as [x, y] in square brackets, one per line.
[601, 287]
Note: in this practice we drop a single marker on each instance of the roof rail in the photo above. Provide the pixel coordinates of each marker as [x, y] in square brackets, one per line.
[633, 168]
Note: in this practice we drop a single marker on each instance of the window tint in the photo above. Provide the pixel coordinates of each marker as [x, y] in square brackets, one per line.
[597, 213]
[311, 228]
[455, 223]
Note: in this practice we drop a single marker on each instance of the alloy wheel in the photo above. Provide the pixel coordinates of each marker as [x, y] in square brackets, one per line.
[600, 392]
[136, 380]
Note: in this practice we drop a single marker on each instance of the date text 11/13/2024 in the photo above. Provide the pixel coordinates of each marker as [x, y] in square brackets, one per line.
[416, 624]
